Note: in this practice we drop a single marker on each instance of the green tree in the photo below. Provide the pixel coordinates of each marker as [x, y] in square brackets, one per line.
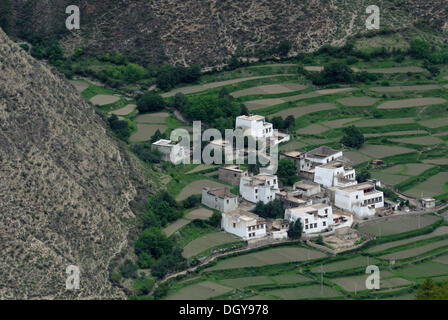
[430, 290]
[154, 242]
[295, 230]
[215, 219]
[150, 101]
[119, 127]
[128, 269]
[287, 172]
[180, 101]
[419, 49]
[353, 137]
[284, 47]
[363, 176]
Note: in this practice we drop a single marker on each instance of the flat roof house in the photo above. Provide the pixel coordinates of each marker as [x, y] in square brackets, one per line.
[323, 155]
[243, 224]
[261, 187]
[220, 199]
[335, 174]
[257, 127]
[314, 218]
[232, 174]
[171, 151]
[362, 199]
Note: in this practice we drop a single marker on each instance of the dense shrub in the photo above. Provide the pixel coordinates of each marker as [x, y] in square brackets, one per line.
[353, 137]
[119, 127]
[150, 101]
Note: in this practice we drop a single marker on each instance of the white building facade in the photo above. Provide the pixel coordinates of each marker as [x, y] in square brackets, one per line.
[362, 199]
[170, 151]
[262, 187]
[255, 126]
[314, 218]
[323, 155]
[243, 224]
[219, 199]
[335, 174]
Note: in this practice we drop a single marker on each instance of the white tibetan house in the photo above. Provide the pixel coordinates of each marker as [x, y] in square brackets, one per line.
[243, 224]
[262, 187]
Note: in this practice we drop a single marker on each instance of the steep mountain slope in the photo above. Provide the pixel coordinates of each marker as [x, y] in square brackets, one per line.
[206, 32]
[65, 185]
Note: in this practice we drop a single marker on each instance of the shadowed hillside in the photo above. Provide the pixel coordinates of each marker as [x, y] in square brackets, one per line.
[207, 32]
[65, 185]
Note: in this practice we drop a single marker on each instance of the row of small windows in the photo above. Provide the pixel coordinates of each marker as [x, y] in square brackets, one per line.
[373, 200]
[256, 227]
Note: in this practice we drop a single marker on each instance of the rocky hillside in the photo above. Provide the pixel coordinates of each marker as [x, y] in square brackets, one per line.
[65, 185]
[206, 32]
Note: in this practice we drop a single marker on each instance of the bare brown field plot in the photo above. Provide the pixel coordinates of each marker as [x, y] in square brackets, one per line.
[382, 122]
[269, 89]
[395, 133]
[357, 101]
[266, 257]
[263, 103]
[246, 281]
[412, 169]
[389, 178]
[203, 87]
[435, 123]
[173, 227]
[125, 111]
[408, 103]
[334, 91]
[424, 141]
[345, 264]
[199, 291]
[196, 188]
[79, 85]
[158, 117]
[308, 292]
[313, 68]
[292, 145]
[300, 111]
[312, 129]
[399, 224]
[146, 131]
[439, 231]
[358, 283]
[415, 251]
[315, 141]
[424, 87]
[338, 123]
[395, 70]
[290, 278]
[356, 157]
[380, 151]
[104, 99]
[432, 187]
[201, 213]
[437, 161]
[208, 241]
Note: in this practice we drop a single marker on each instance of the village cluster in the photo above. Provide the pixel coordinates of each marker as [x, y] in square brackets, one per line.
[327, 198]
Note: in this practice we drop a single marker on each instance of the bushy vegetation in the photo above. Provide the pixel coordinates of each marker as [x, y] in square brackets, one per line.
[146, 153]
[149, 102]
[272, 210]
[119, 127]
[431, 290]
[287, 172]
[219, 111]
[170, 76]
[295, 229]
[353, 137]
